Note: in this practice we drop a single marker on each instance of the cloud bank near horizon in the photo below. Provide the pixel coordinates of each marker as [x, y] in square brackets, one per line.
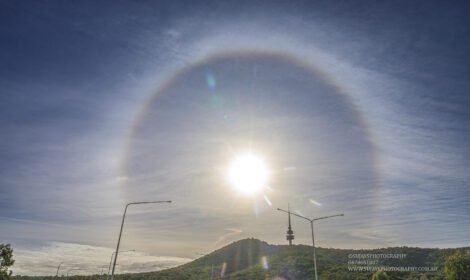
[86, 260]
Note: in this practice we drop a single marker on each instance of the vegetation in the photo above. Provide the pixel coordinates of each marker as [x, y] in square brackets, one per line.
[6, 260]
[457, 266]
[244, 260]
[380, 275]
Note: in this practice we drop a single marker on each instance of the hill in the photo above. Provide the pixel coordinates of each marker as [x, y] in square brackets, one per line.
[244, 260]
[254, 259]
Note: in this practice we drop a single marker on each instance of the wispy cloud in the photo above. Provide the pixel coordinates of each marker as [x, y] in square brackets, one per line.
[232, 232]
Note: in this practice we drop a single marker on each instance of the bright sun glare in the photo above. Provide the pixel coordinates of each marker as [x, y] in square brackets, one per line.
[248, 174]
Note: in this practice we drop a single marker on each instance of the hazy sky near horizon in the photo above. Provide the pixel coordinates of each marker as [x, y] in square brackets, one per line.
[356, 107]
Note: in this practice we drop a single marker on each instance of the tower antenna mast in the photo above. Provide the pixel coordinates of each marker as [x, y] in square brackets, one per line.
[290, 232]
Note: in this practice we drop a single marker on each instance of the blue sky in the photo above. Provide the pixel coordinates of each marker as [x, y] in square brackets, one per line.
[361, 107]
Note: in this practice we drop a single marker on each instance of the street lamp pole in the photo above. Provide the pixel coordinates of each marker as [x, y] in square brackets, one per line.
[122, 225]
[111, 261]
[311, 221]
[314, 255]
[57, 273]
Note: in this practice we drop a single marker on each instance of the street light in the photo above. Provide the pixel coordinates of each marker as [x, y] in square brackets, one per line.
[313, 236]
[111, 260]
[57, 273]
[122, 225]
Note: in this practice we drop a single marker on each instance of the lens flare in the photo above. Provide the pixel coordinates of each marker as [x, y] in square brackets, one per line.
[211, 81]
[223, 269]
[268, 202]
[264, 262]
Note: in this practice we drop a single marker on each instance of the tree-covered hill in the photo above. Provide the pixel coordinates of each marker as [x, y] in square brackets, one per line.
[254, 259]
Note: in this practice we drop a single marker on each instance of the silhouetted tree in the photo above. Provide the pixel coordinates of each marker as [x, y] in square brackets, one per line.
[457, 266]
[6, 260]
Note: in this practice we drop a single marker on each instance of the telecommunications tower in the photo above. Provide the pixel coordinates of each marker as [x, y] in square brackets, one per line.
[290, 232]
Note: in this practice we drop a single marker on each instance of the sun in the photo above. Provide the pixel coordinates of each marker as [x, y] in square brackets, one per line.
[248, 174]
